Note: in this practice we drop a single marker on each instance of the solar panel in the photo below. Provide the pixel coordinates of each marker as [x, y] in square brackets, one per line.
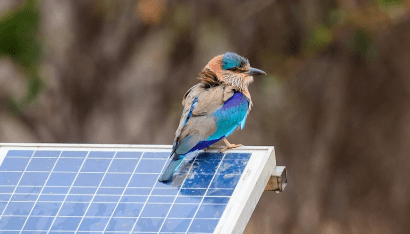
[65, 189]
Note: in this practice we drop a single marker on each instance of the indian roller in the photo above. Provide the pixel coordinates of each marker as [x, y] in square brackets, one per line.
[213, 108]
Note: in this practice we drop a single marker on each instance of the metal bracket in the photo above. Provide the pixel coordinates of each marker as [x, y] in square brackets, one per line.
[278, 181]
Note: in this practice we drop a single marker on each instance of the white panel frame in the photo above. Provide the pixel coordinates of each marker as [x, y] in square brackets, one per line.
[244, 198]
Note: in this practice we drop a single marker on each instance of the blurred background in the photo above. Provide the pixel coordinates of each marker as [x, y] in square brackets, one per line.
[335, 103]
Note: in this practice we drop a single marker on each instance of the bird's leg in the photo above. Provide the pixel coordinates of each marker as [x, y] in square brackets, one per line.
[228, 145]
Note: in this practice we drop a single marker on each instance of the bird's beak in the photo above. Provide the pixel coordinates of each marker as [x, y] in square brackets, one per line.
[255, 72]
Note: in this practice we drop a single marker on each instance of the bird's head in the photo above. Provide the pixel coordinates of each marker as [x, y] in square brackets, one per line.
[229, 69]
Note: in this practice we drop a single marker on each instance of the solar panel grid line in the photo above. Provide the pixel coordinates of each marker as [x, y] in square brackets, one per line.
[143, 207]
[15, 188]
[66, 195]
[123, 192]
[196, 212]
[42, 188]
[176, 196]
[92, 199]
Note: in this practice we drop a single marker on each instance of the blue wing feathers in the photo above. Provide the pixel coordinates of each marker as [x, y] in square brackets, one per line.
[171, 168]
[194, 103]
[231, 115]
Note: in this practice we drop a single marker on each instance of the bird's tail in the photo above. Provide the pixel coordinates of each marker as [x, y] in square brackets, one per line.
[173, 165]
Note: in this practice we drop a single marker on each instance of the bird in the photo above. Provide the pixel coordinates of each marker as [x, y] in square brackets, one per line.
[213, 108]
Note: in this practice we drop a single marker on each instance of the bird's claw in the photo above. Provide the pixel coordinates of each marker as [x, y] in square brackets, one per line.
[230, 146]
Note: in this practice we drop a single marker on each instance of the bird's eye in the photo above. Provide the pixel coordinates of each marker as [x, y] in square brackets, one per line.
[234, 69]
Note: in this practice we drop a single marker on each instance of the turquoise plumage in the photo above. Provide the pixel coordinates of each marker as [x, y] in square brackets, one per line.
[213, 108]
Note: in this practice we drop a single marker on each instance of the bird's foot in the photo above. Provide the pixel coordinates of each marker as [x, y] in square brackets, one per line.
[230, 146]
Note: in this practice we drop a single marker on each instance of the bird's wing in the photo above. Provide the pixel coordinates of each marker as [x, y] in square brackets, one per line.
[189, 102]
[197, 122]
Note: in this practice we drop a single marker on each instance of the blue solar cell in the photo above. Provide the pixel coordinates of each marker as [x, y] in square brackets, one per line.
[88, 179]
[148, 225]
[41, 164]
[47, 153]
[103, 198]
[198, 181]
[133, 154]
[216, 200]
[34, 178]
[30, 189]
[73, 209]
[219, 192]
[186, 199]
[209, 156]
[123, 165]
[38, 223]
[137, 191]
[9, 178]
[24, 197]
[205, 167]
[193, 192]
[225, 181]
[60, 179]
[95, 165]
[14, 164]
[83, 190]
[101, 209]
[210, 211]
[163, 155]
[134, 199]
[51, 198]
[66, 223]
[74, 154]
[176, 225]
[232, 167]
[115, 180]
[121, 224]
[164, 192]
[20, 153]
[143, 180]
[101, 154]
[55, 190]
[5, 197]
[18, 208]
[150, 166]
[183, 210]
[68, 164]
[242, 156]
[46, 208]
[79, 198]
[203, 225]
[161, 199]
[6, 189]
[155, 210]
[92, 224]
[128, 209]
[12, 222]
[62, 192]
[106, 191]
